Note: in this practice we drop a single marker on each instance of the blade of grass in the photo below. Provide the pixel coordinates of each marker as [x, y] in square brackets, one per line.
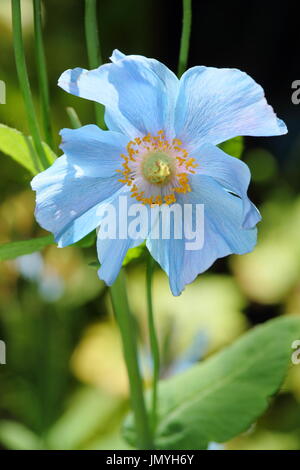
[24, 82]
[42, 72]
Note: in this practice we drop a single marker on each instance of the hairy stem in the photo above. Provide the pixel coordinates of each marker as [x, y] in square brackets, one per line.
[185, 36]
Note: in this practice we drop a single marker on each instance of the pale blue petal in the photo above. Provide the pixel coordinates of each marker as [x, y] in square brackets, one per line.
[111, 252]
[68, 201]
[170, 256]
[139, 94]
[215, 105]
[117, 55]
[94, 151]
[223, 234]
[169, 253]
[215, 446]
[231, 173]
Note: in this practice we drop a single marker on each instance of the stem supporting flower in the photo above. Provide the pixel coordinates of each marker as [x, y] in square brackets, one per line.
[128, 329]
[153, 342]
[185, 36]
[93, 49]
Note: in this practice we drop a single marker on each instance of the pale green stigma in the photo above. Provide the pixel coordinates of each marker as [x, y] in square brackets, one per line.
[157, 168]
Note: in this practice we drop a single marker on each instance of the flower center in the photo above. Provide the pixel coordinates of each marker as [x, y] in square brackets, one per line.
[157, 168]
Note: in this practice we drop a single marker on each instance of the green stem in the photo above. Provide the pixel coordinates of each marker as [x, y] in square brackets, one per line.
[73, 116]
[127, 327]
[42, 72]
[24, 81]
[185, 36]
[153, 341]
[93, 49]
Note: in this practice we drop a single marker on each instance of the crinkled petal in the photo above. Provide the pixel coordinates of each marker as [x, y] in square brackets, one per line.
[223, 234]
[215, 105]
[93, 151]
[117, 55]
[231, 173]
[139, 93]
[68, 202]
[111, 252]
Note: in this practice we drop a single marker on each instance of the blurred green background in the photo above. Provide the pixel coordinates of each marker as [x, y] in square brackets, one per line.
[64, 385]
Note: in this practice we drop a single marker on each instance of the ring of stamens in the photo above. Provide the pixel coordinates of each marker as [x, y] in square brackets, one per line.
[156, 169]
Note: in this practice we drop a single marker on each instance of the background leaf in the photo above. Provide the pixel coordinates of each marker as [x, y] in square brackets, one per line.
[233, 147]
[90, 413]
[16, 436]
[87, 241]
[21, 149]
[221, 397]
[134, 253]
[14, 249]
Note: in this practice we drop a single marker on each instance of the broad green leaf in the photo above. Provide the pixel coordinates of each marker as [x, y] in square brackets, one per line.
[16, 436]
[21, 149]
[14, 249]
[221, 397]
[233, 147]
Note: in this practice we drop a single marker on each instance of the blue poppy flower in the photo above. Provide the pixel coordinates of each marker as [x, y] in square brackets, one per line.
[161, 148]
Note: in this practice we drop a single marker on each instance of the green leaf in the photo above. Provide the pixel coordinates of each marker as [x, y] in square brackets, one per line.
[221, 397]
[233, 147]
[88, 240]
[14, 249]
[94, 264]
[21, 149]
[134, 253]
